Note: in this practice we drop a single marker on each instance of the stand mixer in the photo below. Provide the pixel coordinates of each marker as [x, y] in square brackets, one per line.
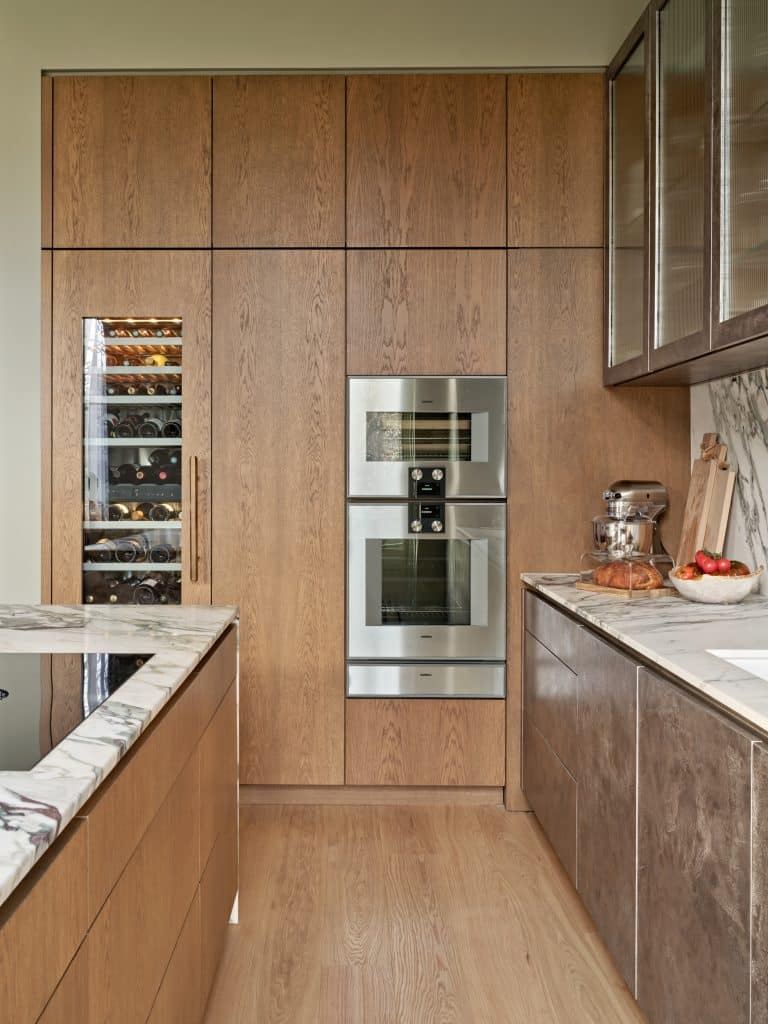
[628, 528]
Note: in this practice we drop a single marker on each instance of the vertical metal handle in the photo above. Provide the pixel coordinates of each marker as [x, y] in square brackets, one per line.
[193, 525]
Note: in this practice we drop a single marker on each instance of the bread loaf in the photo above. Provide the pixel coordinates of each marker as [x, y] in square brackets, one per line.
[623, 575]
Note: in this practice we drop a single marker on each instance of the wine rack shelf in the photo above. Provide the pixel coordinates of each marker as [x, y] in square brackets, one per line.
[127, 524]
[140, 568]
[107, 372]
[136, 400]
[132, 442]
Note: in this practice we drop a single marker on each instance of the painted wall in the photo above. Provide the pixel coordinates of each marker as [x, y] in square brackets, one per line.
[192, 34]
[737, 408]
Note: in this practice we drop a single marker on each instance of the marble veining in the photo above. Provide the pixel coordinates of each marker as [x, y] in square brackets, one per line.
[36, 806]
[677, 636]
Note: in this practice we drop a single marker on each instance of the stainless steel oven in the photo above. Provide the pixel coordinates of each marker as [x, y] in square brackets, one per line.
[426, 581]
[422, 437]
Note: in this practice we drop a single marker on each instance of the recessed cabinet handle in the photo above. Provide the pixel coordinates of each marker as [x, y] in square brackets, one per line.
[193, 525]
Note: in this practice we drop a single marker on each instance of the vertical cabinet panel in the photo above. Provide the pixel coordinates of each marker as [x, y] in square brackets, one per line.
[426, 160]
[693, 860]
[46, 412]
[549, 699]
[132, 161]
[125, 284]
[555, 135]
[439, 312]
[278, 516]
[46, 161]
[278, 154]
[759, 882]
[552, 793]
[607, 720]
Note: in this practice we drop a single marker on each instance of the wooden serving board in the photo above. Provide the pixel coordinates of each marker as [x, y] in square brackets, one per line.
[709, 501]
[627, 594]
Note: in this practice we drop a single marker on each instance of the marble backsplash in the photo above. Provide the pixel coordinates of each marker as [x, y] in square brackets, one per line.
[737, 408]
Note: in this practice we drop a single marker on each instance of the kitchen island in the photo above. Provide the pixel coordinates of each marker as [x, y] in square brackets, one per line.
[118, 849]
[645, 762]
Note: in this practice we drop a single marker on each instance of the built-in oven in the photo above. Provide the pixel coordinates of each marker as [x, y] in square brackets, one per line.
[427, 437]
[426, 581]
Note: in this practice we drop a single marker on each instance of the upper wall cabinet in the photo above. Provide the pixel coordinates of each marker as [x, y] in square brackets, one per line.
[426, 160]
[555, 161]
[132, 162]
[688, 211]
[278, 153]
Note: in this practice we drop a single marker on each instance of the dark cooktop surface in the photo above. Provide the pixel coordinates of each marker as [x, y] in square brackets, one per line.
[43, 697]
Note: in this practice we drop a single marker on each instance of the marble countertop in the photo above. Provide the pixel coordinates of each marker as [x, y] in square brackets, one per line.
[37, 805]
[677, 636]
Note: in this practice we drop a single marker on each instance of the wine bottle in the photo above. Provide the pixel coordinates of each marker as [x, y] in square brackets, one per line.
[142, 511]
[167, 474]
[102, 551]
[131, 549]
[173, 590]
[127, 473]
[115, 389]
[162, 512]
[156, 359]
[118, 511]
[172, 428]
[125, 428]
[162, 553]
[149, 590]
[161, 456]
[151, 427]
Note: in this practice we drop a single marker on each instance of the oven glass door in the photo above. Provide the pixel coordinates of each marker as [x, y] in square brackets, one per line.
[426, 595]
[456, 424]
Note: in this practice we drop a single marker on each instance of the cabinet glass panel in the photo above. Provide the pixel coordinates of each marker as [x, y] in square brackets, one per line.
[744, 134]
[681, 193]
[628, 208]
[423, 582]
[132, 440]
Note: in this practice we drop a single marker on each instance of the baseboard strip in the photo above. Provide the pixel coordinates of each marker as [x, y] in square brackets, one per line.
[362, 795]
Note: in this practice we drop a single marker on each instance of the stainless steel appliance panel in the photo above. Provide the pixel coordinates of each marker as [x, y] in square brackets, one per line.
[426, 680]
[397, 424]
[433, 596]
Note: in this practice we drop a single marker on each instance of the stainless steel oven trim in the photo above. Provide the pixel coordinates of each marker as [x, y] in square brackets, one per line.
[476, 642]
[484, 396]
[427, 679]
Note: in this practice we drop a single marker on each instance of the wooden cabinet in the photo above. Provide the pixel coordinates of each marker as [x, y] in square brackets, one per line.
[551, 791]
[549, 699]
[218, 887]
[278, 155]
[46, 162]
[125, 284]
[415, 742]
[180, 997]
[759, 922]
[555, 126]
[426, 312]
[278, 515]
[426, 160]
[694, 815]
[607, 789]
[132, 161]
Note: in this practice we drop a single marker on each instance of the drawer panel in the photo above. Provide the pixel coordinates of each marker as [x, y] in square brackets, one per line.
[179, 998]
[551, 792]
[218, 774]
[69, 1002]
[41, 926]
[550, 700]
[218, 887]
[413, 742]
[553, 629]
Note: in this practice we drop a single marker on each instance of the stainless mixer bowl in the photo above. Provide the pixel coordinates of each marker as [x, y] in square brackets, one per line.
[633, 536]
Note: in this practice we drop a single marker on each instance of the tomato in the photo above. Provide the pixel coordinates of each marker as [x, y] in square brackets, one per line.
[723, 565]
[701, 554]
[707, 565]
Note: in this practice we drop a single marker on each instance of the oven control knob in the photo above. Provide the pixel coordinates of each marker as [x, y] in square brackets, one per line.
[437, 474]
[437, 526]
[416, 526]
[416, 474]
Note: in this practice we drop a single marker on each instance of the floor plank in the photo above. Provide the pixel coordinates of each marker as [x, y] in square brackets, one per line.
[408, 915]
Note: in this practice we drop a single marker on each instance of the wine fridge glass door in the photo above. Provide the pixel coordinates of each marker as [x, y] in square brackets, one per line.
[132, 460]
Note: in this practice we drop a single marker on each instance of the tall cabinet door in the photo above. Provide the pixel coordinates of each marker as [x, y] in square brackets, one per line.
[120, 407]
[278, 504]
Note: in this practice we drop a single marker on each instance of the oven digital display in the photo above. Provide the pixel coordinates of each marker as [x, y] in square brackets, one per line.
[418, 437]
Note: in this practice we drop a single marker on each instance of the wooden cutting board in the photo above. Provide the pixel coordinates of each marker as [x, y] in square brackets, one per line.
[709, 501]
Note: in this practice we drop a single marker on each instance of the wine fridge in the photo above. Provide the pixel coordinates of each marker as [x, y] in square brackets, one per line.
[133, 445]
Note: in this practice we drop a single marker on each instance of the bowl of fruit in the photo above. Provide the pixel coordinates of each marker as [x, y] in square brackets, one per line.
[713, 579]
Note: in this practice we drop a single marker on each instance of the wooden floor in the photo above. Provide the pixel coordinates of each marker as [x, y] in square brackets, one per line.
[408, 915]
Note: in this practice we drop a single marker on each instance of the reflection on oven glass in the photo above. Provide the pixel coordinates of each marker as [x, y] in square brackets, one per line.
[425, 582]
[418, 436]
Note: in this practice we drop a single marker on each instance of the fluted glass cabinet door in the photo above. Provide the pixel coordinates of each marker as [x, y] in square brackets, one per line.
[680, 151]
[628, 213]
[742, 305]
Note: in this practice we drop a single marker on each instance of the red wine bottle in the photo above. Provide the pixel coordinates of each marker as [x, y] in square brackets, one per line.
[162, 553]
[172, 428]
[151, 427]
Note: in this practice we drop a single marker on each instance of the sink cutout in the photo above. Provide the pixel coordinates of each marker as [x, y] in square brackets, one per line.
[755, 662]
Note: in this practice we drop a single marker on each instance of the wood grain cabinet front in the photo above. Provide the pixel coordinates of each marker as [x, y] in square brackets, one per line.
[426, 312]
[760, 883]
[415, 742]
[131, 161]
[549, 699]
[278, 157]
[425, 160]
[694, 814]
[606, 845]
[552, 793]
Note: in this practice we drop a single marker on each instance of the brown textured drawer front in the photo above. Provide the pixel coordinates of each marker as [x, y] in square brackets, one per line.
[41, 926]
[218, 774]
[551, 792]
[179, 1000]
[554, 629]
[69, 1003]
[425, 742]
[122, 809]
[760, 883]
[217, 894]
[549, 698]
[141, 920]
